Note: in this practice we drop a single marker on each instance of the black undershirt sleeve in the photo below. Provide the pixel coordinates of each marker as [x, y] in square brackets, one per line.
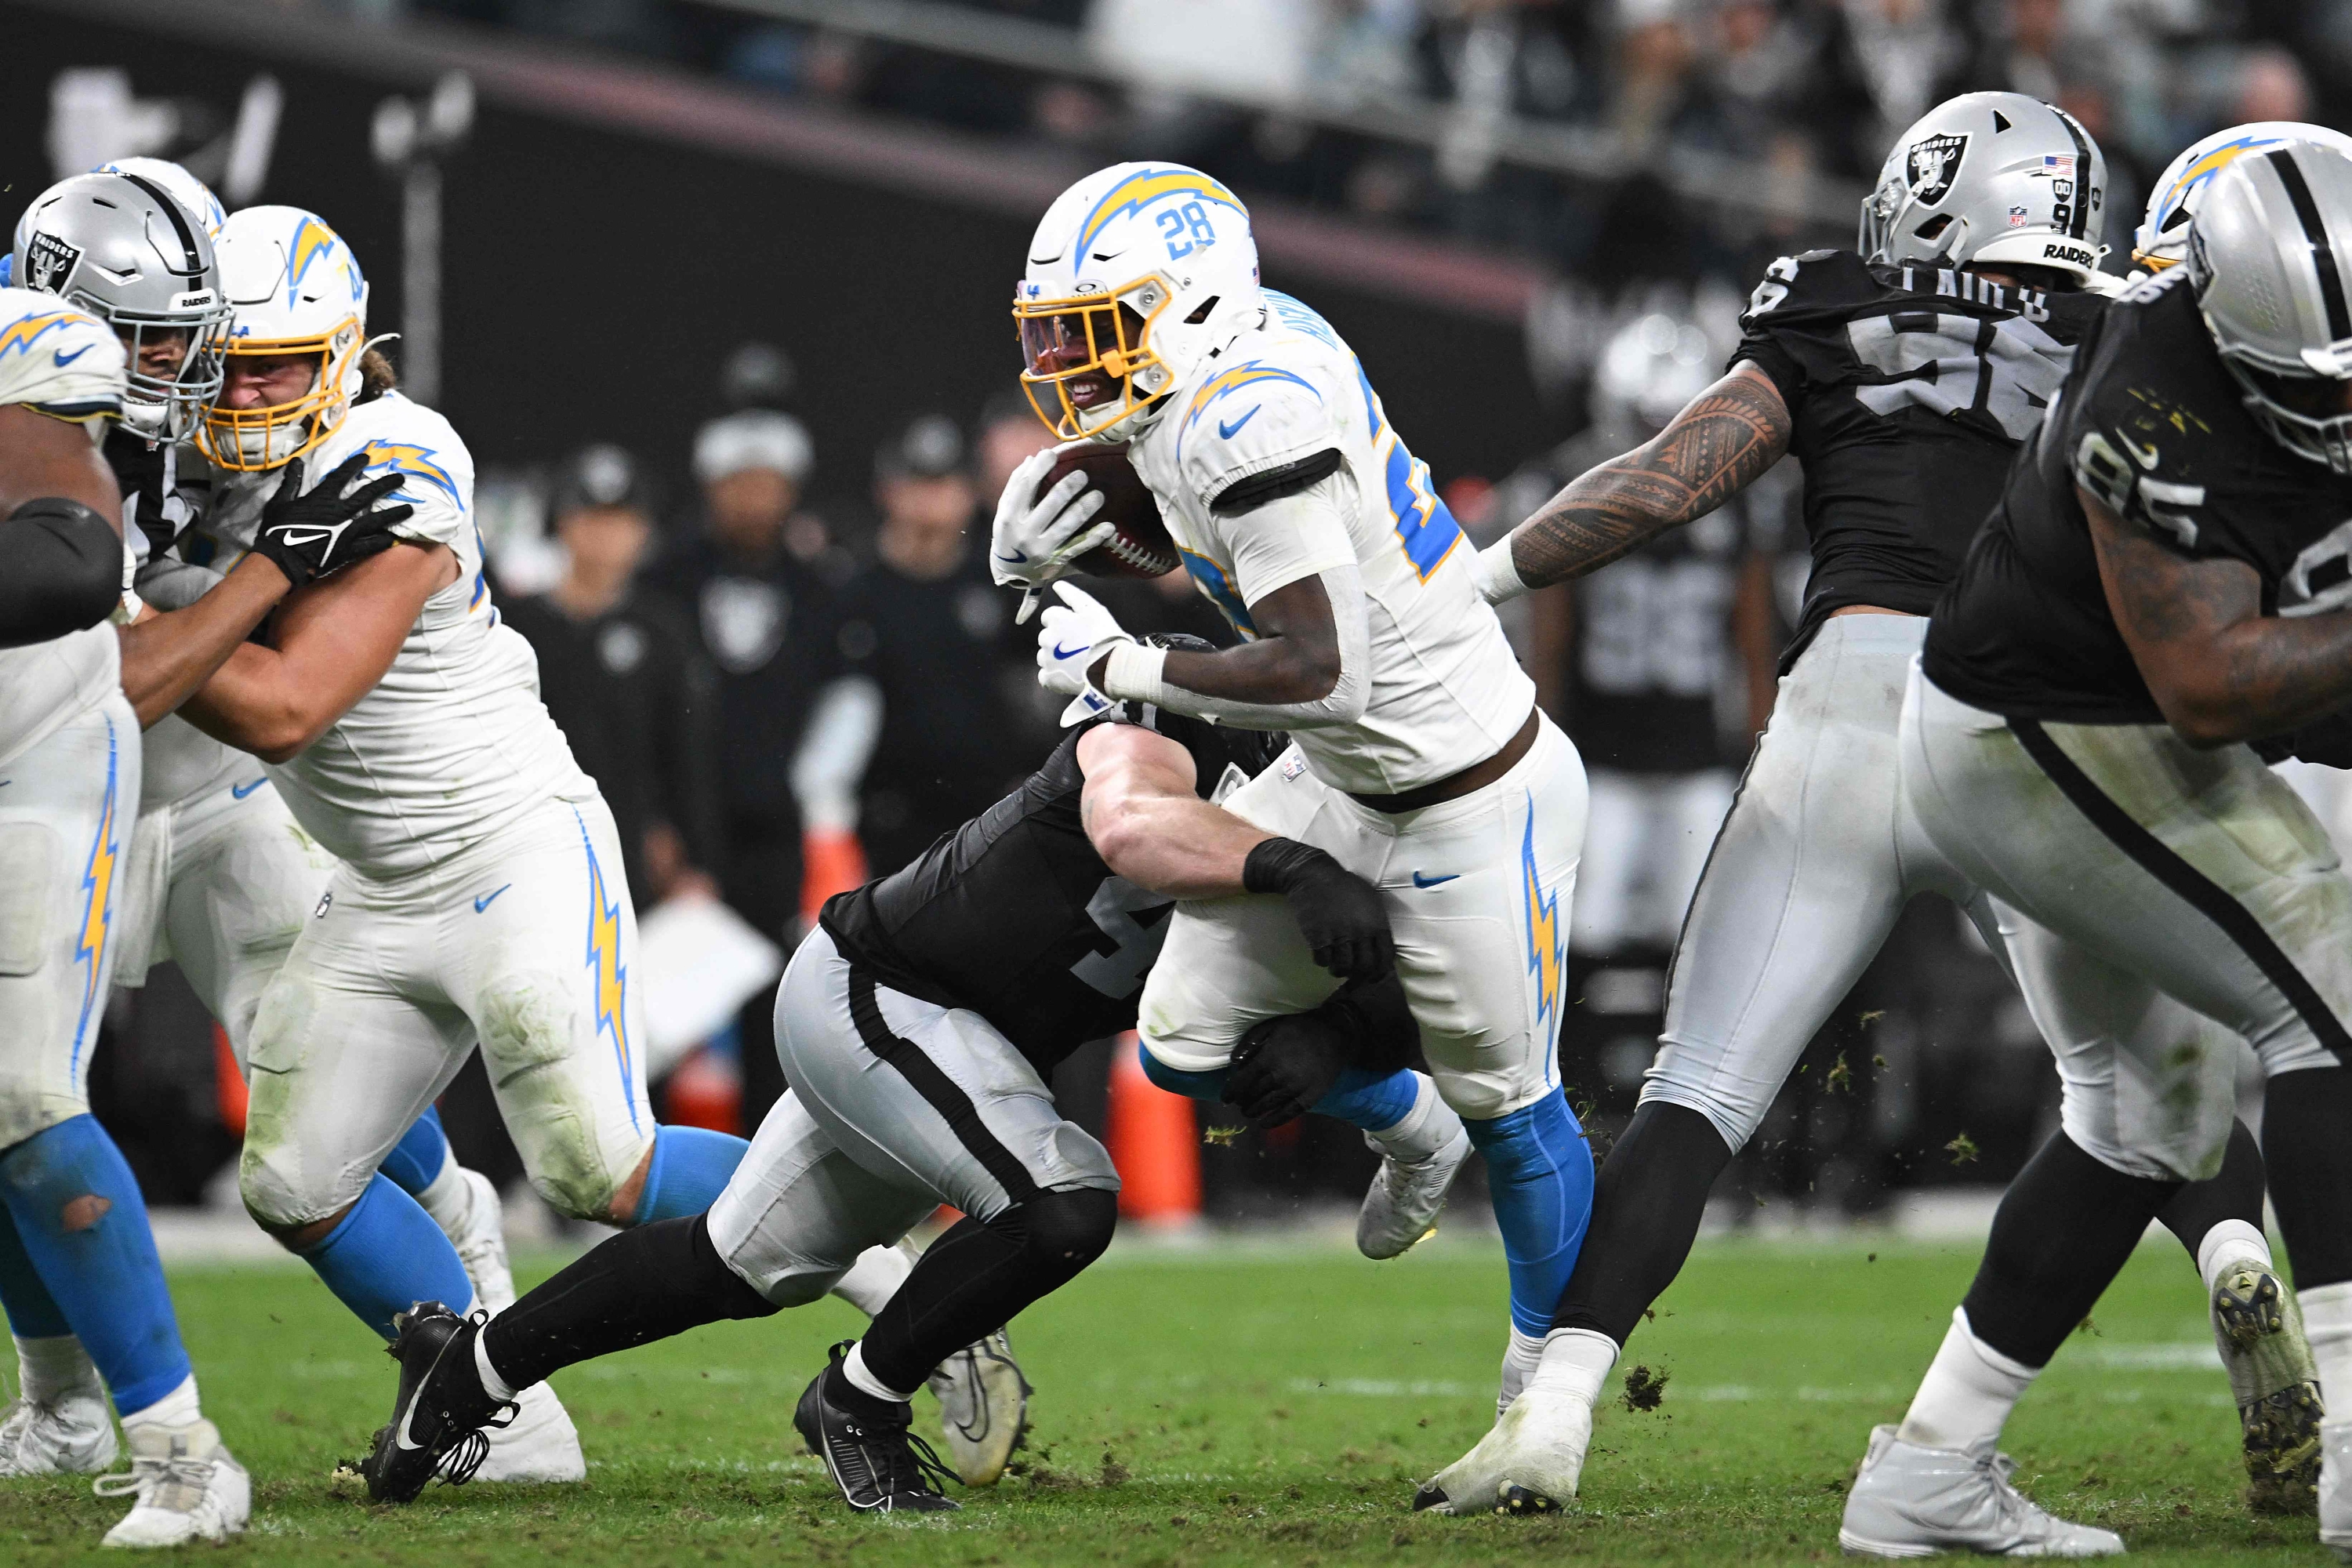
[60, 571]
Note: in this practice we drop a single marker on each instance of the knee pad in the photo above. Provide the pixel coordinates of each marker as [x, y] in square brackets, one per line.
[270, 1179]
[1062, 1231]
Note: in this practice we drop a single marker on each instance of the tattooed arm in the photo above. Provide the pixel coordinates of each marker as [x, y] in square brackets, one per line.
[2219, 668]
[1716, 447]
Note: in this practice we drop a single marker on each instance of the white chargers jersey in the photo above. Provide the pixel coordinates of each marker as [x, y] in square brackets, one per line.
[452, 743]
[1446, 691]
[69, 365]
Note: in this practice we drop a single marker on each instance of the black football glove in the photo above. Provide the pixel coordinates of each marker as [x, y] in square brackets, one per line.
[1284, 1066]
[307, 536]
[1338, 912]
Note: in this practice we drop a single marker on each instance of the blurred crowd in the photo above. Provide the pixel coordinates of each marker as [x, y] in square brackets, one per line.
[1267, 91]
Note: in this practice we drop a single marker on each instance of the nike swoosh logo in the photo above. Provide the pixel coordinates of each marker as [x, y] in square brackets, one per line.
[295, 536]
[1421, 882]
[1018, 558]
[64, 358]
[1061, 652]
[1226, 431]
[487, 900]
[241, 791]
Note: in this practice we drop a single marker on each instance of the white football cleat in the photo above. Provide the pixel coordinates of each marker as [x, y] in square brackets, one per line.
[540, 1445]
[71, 1435]
[984, 1408]
[188, 1486]
[2335, 1487]
[2258, 1327]
[1911, 1501]
[481, 1244]
[1405, 1197]
[1528, 1462]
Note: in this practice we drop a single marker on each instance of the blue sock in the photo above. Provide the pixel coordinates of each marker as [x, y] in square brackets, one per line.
[418, 1157]
[33, 1314]
[1540, 1176]
[100, 1273]
[1371, 1100]
[387, 1256]
[690, 1169]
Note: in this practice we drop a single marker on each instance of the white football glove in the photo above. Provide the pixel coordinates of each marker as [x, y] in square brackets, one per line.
[1033, 542]
[1073, 635]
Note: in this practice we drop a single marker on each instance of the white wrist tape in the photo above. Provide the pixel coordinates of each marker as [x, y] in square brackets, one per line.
[1133, 674]
[1498, 575]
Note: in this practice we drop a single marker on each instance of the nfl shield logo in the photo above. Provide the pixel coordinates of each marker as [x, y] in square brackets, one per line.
[48, 262]
[1932, 163]
[2017, 218]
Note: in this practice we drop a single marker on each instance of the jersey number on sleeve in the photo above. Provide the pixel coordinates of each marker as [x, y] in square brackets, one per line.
[2008, 370]
[1135, 943]
[1424, 525]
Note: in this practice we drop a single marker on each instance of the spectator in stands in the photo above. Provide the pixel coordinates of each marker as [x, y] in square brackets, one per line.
[623, 676]
[937, 637]
[771, 626]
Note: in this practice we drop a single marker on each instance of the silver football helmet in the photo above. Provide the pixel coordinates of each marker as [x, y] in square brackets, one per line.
[1989, 178]
[122, 247]
[2270, 255]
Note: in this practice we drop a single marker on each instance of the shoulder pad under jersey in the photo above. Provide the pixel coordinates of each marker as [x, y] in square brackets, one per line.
[58, 359]
[437, 472]
[1255, 415]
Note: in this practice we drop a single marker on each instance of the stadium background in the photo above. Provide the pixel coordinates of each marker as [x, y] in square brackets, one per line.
[1475, 194]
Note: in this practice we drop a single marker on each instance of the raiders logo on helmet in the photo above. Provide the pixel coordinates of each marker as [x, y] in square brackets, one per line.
[1933, 163]
[48, 262]
[2080, 254]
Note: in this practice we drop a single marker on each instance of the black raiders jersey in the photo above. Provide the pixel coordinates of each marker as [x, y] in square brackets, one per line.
[1909, 389]
[2153, 424]
[1015, 917]
[164, 487]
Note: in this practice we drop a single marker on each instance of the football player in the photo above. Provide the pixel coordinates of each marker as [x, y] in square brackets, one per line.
[78, 1263]
[2162, 581]
[218, 875]
[2161, 240]
[1904, 376]
[918, 1026]
[1418, 761]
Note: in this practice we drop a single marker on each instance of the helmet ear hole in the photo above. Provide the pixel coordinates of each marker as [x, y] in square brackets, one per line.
[1201, 315]
[1933, 229]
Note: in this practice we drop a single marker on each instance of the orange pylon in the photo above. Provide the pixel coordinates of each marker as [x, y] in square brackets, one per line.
[1155, 1141]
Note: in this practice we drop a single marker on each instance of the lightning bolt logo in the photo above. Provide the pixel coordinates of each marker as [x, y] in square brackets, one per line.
[1544, 961]
[604, 962]
[1233, 380]
[312, 239]
[19, 335]
[2204, 169]
[410, 461]
[1140, 190]
[98, 911]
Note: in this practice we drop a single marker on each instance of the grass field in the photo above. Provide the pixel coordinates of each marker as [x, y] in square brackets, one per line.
[1259, 1404]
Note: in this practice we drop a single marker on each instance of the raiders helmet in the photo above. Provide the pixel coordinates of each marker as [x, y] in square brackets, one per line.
[2270, 255]
[1991, 177]
[122, 247]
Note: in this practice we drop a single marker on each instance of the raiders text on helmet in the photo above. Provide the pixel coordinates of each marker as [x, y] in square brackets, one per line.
[296, 289]
[1137, 274]
[2270, 255]
[1989, 178]
[122, 248]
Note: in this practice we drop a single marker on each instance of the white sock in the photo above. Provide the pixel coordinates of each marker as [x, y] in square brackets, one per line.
[852, 1367]
[1421, 1131]
[874, 1279]
[1967, 1394]
[177, 1408]
[448, 1198]
[1576, 1362]
[51, 1368]
[1519, 1358]
[2327, 1324]
[2230, 1244]
[493, 1385]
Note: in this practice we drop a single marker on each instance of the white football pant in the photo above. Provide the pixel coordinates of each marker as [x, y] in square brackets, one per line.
[65, 825]
[1478, 892]
[524, 942]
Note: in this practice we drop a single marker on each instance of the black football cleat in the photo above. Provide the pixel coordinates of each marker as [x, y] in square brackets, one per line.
[438, 1421]
[880, 1465]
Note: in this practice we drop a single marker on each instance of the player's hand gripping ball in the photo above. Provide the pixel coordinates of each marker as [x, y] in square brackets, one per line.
[1077, 509]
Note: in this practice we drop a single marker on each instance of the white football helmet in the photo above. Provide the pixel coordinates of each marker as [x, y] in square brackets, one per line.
[1136, 273]
[1989, 178]
[2162, 239]
[296, 289]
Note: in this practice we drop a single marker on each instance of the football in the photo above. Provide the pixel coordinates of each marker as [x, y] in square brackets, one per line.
[1140, 547]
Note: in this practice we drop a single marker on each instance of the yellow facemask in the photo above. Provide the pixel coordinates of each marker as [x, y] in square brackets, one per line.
[1114, 331]
[248, 440]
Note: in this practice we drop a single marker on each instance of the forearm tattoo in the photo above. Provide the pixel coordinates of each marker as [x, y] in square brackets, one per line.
[1714, 448]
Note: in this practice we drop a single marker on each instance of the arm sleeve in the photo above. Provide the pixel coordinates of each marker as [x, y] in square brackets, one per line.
[834, 748]
[168, 583]
[63, 571]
